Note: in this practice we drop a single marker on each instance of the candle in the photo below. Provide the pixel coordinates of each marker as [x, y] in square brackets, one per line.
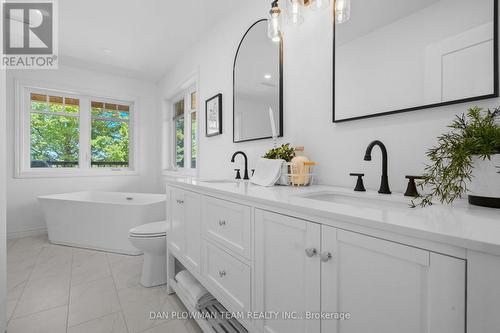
[273, 124]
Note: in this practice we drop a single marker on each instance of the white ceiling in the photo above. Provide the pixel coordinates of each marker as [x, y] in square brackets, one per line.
[137, 38]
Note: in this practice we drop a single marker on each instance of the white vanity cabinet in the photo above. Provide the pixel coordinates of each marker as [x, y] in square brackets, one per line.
[184, 236]
[296, 270]
[303, 267]
[387, 286]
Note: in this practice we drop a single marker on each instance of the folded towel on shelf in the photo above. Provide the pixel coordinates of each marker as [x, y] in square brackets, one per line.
[194, 289]
[267, 172]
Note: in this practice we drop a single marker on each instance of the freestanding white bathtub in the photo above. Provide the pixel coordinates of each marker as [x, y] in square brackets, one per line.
[100, 220]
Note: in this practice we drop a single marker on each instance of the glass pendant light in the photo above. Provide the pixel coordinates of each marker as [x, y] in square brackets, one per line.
[274, 22]
[319, 4]
[342, 11]
[294, 12]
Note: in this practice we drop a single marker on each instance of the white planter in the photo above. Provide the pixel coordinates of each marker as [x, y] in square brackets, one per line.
[484, 189]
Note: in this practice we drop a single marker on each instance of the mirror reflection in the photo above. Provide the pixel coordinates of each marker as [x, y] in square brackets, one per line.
[257, 86]
[398, 55]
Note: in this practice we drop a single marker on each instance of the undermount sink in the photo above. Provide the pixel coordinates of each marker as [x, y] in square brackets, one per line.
[363, 200]
[220, 181]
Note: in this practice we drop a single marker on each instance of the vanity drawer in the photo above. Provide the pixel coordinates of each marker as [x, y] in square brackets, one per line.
[228, 224]
[229, 276]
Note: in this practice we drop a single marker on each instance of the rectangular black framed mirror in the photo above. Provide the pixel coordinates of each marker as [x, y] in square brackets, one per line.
[393, 56]
[258, 86]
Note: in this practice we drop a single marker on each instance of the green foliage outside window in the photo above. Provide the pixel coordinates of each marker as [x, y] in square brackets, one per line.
[179, 142]
[110, 142]
[194, 147]
[54, 138]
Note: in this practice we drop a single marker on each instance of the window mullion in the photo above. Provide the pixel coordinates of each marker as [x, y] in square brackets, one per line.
[187, 131]
[85, 133]
[26, 124]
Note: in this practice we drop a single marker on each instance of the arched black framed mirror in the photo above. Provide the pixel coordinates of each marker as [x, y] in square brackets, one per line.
[257, 86]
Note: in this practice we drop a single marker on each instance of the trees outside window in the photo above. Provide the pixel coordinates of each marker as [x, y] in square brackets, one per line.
[185, 128]
[55, 131]
[60, 131]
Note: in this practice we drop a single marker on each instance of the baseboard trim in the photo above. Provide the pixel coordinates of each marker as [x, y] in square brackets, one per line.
[26, 233]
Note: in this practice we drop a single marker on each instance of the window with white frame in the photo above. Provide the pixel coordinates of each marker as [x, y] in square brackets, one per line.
[110, 127]
[185, 129]
[64, 133]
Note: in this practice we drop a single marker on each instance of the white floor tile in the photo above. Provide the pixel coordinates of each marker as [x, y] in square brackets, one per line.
[112, 323]
[92, 300]
[89, 266]
[43, 294]
[10, 305]
[174, 326]
[193, 327]
[22, 258]
[32, 242]
[54, 260]
[50, 321]
[15, 284]
[51, 286]
[137, 303]
[126, 270]
[10, 242]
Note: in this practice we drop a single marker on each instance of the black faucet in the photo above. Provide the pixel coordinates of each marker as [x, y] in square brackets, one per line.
[245, 176]
[384, 185]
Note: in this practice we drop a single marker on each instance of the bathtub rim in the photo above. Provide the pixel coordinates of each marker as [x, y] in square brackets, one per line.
[161, 198]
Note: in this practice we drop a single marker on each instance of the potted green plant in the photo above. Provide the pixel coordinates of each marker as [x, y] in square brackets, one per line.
[286, 153]
[283, 152]
[466, 160]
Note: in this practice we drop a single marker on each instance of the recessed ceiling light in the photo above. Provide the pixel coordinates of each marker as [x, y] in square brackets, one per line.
[267, 76]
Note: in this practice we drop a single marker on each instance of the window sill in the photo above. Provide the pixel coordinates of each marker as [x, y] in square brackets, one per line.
[172, 173]
[62, 173]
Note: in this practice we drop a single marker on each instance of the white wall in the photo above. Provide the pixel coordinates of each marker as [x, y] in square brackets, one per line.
[339, 148]
[23, 211]
[3, 264]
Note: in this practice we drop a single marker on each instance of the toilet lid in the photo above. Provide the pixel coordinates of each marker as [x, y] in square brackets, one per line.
[150, 229]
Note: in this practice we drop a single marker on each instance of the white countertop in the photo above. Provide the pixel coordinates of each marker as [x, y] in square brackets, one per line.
[462, 225]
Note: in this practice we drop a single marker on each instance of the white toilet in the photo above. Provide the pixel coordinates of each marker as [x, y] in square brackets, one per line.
[150, 238]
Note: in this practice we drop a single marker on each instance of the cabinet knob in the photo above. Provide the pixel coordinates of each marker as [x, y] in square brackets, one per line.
[311, 252]
[222, 273]
[222, 223]
[325, 256]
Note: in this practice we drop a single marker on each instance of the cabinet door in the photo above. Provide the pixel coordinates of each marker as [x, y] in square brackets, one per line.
[177, 227]
[287, 280]
[389, 287]
[192, 229]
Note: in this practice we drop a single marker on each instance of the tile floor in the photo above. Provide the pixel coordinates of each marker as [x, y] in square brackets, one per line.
[54, 289]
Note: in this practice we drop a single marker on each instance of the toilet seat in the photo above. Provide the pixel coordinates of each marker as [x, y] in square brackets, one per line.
[149, 230]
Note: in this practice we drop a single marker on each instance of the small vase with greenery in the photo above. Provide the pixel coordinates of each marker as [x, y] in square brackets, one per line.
[473, 137]
[284, 152]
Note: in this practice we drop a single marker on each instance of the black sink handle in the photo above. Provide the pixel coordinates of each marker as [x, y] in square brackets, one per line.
[360, 187]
